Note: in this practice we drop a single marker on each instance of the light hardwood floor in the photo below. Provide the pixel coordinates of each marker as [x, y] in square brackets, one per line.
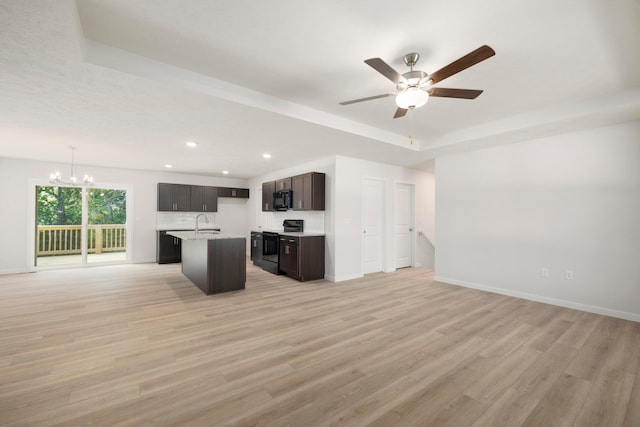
[140, 345]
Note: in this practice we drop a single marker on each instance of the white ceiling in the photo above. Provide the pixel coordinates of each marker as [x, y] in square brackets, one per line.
[128, 82]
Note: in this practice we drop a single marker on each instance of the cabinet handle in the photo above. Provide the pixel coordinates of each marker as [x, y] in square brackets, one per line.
[255, 244]
[292, 240]
[233, 193]
[286, 250]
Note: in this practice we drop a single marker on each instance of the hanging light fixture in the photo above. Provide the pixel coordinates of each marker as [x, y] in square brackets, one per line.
[55, 177]
[412, 97]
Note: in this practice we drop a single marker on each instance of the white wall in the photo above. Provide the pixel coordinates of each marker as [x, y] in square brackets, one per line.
[569, 202]
[14, 180]
[347, 215]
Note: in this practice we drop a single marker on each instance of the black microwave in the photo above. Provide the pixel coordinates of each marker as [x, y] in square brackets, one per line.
[283, 200]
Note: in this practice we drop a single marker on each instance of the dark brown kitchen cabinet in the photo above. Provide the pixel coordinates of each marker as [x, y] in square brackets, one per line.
[239, 193]
[283, 184]
[256, 248]
[168, 248]
[288, 258]
[268, 188]
[302, 258]
[204, 199]
[174, 197]
[308, 191]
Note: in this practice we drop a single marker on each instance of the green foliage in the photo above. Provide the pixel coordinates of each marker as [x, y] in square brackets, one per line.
[63, 206]
[59, 205]
[107, 206]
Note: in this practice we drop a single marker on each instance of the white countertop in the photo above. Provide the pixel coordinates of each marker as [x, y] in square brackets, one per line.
[185, 228]
[291, 233]
[208, 235]
[300, 234]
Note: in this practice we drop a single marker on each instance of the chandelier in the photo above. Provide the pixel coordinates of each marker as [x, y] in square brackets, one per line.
[55, 177]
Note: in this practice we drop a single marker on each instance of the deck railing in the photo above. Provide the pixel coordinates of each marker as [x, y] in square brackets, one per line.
[67, 239]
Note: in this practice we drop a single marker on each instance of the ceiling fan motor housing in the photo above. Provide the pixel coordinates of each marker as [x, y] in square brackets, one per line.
[418, 79]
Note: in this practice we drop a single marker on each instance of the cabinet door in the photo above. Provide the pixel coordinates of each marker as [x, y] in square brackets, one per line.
[210, 199]
[292, 268]
[165, 197]
[268, 188]
[310, 258]
[197, 198]
[169, 248]
[302, 192]
[283, 184]
[240, 193]
[308, 191]
[204, 199]
[182, 197]
[283, 255]
[289, 256]
[256, 249]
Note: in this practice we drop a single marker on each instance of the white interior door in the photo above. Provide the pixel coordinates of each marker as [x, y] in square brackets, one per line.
[404, 225]
[372, 221]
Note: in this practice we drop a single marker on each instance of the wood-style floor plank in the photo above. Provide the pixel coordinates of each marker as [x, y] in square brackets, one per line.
[138, 345]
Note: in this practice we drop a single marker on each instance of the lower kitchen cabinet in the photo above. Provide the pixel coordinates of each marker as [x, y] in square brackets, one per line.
[168, 248]
[302, 258]
[256, 248]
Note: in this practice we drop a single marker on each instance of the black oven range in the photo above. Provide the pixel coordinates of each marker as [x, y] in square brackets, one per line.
[270, 249]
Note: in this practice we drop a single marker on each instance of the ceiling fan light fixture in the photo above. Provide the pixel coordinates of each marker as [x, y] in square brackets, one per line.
[412, 98]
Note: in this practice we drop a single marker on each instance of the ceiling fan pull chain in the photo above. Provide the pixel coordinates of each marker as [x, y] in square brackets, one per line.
[411, 126]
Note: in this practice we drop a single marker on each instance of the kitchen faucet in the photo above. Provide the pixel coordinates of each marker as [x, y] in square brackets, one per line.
[197, 218]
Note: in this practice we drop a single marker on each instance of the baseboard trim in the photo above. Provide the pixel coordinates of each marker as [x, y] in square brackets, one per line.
[13, 271]
[332, 278]
[635, 317]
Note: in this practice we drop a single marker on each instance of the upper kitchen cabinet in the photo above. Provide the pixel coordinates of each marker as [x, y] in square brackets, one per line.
[308, 191]
[283, 184]
[204, 198]
[174, 197]
[268, 188]
[239, 193]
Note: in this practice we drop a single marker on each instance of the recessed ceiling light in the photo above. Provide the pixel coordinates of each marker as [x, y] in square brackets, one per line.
[168, 166]
[266, 155]
[225, 172]
[191, 144]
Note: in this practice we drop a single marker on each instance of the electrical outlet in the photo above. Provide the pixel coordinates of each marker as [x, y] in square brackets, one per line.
[568, 274]
[544, 272]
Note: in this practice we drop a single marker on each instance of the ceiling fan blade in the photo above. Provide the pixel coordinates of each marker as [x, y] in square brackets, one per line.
[368, 98]
[454, 93]
[478, 55]
[385, 69]
[400, 112]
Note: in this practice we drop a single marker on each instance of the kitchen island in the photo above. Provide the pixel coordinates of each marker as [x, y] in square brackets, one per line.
[214, 262]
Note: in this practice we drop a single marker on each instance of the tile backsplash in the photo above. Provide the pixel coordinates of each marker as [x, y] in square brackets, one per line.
[183, 220]
[313, 220]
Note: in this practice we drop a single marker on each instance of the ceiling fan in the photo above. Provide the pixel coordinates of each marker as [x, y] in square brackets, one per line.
[415, 87]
